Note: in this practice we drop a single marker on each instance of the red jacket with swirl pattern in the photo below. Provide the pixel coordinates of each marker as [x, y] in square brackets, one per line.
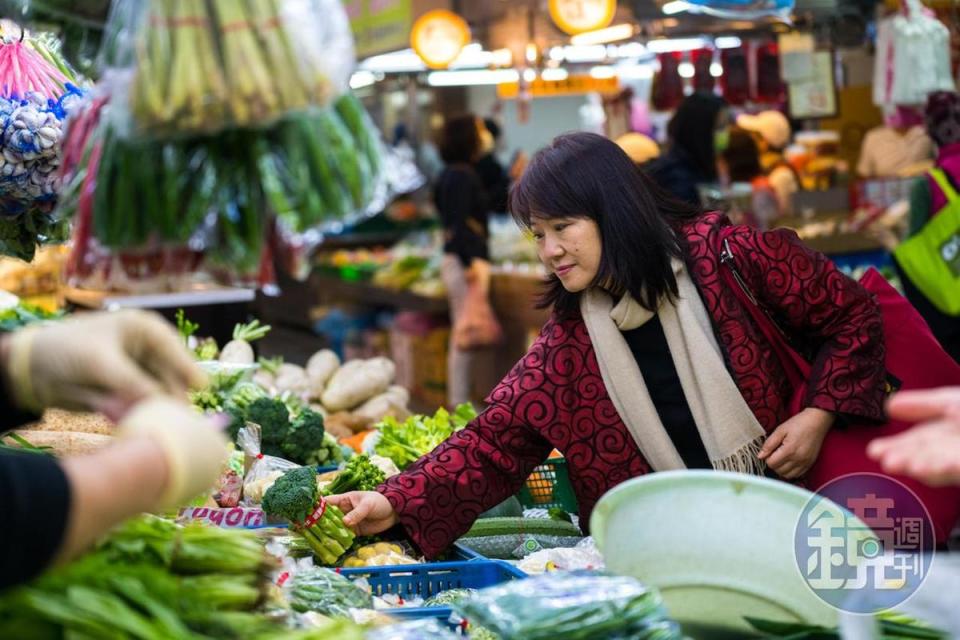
[555, 396]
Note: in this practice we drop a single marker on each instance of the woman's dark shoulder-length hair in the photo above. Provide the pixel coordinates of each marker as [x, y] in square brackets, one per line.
[584, 175]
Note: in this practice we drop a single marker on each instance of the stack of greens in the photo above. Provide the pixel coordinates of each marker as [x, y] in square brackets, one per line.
[405, 442]
[201, 67]
[152, 579]
[224, 117]
[166, 201]
[296, 498]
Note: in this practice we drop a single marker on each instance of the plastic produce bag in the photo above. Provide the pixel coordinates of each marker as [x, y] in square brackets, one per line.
[324, 591]
[201, 67]
[584, 556]
[37, 92]
[150, 213]
[261, 471]
[428, 629]
[571, 606]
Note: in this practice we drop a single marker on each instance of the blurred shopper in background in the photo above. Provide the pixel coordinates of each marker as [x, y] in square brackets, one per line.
[772, 133]
[900, 147]
[928, 198]
[463, 206]
[641, 149]
[740, 164]
[697, 132]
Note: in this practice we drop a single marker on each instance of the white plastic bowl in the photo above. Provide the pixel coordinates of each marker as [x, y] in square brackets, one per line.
[719, 546]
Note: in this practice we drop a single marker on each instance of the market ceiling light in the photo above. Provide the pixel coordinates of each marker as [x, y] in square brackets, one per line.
[631, 50]
[727, 42]
[675, 7]
[602, 36]
[603, 73]
[473, 56]
[361, 79]
[716, 69]
[556, 54]
[635, 72]
[554, 75]
[402, 61]
[686, 70]
[529, 75]
[586, 53]
[668, 45]
[472, 78]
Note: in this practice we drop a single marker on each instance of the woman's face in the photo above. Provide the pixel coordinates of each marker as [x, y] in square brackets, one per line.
[570, 248]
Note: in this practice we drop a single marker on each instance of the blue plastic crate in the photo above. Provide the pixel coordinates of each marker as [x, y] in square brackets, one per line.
[428, 580]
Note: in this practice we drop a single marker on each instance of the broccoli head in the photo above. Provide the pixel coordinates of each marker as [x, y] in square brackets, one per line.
[305, 436]
[360, 474]
[272, 416]
[293, 496]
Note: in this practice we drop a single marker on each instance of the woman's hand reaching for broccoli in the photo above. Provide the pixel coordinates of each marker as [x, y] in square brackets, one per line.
[366, 512]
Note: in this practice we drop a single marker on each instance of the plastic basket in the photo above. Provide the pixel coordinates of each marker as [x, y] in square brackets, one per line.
[549, 486]
[427, 580]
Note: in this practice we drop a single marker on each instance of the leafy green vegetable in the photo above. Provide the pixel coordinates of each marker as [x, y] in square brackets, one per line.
[406, 442]
[273, 417]
[326, 592]
[23, 445]
[294, 497]
[271, 365]
[359, 475]
[185, 327]
[24, 315]
[305, 437]
[151, 579]
[892, 626]
[250, 332]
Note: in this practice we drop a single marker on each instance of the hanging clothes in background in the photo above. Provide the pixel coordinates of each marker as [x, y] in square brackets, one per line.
[667, 84]
[735, 81]
[913, 57]
[770, 88]
[703, 79]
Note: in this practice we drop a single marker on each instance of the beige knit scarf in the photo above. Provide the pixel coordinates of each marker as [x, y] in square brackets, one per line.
[731, 433]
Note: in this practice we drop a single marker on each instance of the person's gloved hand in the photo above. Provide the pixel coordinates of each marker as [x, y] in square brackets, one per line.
[104, 362]
[195, 445]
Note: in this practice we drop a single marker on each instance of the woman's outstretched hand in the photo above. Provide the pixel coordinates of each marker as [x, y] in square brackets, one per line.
[366, 512]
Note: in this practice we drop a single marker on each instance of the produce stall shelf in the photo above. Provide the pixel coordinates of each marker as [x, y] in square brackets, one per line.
[332, 288]
[108, 300]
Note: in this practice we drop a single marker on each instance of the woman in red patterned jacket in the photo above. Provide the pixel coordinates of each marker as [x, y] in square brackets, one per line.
[649, 362]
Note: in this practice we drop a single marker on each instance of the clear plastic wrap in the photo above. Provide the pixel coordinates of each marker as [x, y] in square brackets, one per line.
[325, 591]
[37, 92]
[261, 471]
[151, 213]
[571, 606]
[186, 67]
[428, 629]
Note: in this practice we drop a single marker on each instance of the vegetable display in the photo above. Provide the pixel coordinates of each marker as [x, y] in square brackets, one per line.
[326, 592]
[170, 206]
[406, 442]
[572, 606]
[360, 474]
[148, 579]
[225, 140]
[38, 91]
[296, 498]
[202, 67]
